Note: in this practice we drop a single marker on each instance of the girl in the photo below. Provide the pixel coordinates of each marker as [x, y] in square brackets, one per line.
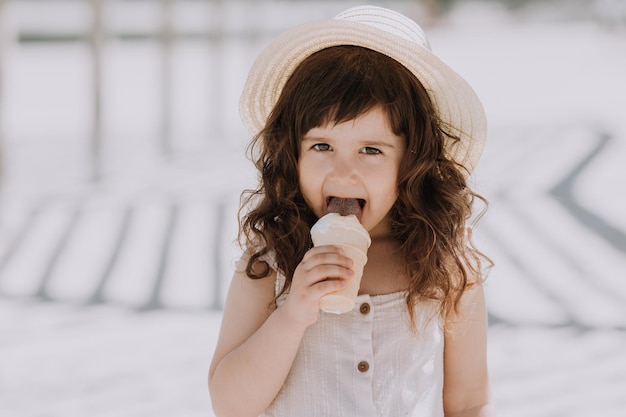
[357, 108]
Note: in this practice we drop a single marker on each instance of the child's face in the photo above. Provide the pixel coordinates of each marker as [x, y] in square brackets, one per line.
[358, 159]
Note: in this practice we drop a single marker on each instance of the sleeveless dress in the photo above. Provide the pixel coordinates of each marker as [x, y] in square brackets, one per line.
[366, 363]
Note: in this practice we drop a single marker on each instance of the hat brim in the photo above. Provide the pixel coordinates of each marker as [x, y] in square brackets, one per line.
[458, 106]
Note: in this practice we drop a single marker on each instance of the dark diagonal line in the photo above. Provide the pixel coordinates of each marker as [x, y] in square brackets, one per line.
[563, 192]
[98, 295]
[536, 281]
[42, 291]
[16, 243]
[558, 250]
[154, 301]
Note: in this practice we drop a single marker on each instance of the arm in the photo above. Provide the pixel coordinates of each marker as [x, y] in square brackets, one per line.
[466, 382]
[258, 342]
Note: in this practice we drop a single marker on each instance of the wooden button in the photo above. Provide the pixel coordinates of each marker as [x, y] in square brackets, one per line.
[365, 308]
[363, 366]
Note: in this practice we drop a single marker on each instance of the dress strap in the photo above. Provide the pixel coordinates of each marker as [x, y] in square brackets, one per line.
[270, 258]
[279, 283]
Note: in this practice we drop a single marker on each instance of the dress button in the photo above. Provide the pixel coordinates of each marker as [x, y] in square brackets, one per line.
[363, 366]
[365, 308]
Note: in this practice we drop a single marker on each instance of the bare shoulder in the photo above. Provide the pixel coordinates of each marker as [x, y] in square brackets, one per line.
[472, 311]
[248, 305]
[466, 379]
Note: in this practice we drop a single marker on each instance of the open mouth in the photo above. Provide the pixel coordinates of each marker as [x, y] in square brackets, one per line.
[345, 206]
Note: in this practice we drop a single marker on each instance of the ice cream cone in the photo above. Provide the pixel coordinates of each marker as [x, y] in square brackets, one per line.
[347, 233]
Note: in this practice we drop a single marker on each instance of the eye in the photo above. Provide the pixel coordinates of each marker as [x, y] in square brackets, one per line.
[371, 151]
[321, 147]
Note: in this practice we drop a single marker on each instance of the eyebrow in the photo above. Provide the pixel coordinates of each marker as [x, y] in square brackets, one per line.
[372, 143]
[378, 144]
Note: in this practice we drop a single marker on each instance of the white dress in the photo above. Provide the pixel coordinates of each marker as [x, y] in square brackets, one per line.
[367, 363]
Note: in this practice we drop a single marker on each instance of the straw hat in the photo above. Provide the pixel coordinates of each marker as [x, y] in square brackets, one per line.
[384, 31]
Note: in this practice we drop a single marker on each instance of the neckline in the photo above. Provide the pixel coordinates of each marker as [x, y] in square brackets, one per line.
[382, 297]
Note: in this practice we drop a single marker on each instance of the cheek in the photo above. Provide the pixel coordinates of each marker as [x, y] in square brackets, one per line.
[385, 180]
[307, 182]
[390, 195]
[386, 188]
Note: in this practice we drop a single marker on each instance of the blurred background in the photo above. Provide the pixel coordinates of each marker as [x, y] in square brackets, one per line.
[123, 158]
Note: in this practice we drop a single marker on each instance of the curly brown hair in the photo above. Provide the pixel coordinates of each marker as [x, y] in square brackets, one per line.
[434, 200]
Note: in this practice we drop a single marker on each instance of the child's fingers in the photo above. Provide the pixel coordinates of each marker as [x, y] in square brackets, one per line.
[311, 275]
[322, 270]
[325, 255]
[316, 250]
[329, 285]
[306, 278]
[319, 267]
[309, 293]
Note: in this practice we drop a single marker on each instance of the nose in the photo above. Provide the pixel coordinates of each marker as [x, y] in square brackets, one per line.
[344, 169]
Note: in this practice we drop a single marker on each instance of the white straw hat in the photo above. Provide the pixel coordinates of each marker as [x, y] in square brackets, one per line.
[384, 31]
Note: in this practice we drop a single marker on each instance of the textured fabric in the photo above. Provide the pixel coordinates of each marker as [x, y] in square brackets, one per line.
[367, 362]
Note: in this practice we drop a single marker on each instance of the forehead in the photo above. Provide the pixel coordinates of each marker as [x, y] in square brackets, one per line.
[341, 83]
[372, 126]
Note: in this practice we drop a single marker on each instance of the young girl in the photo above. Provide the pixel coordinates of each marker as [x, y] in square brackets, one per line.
[357, 108]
